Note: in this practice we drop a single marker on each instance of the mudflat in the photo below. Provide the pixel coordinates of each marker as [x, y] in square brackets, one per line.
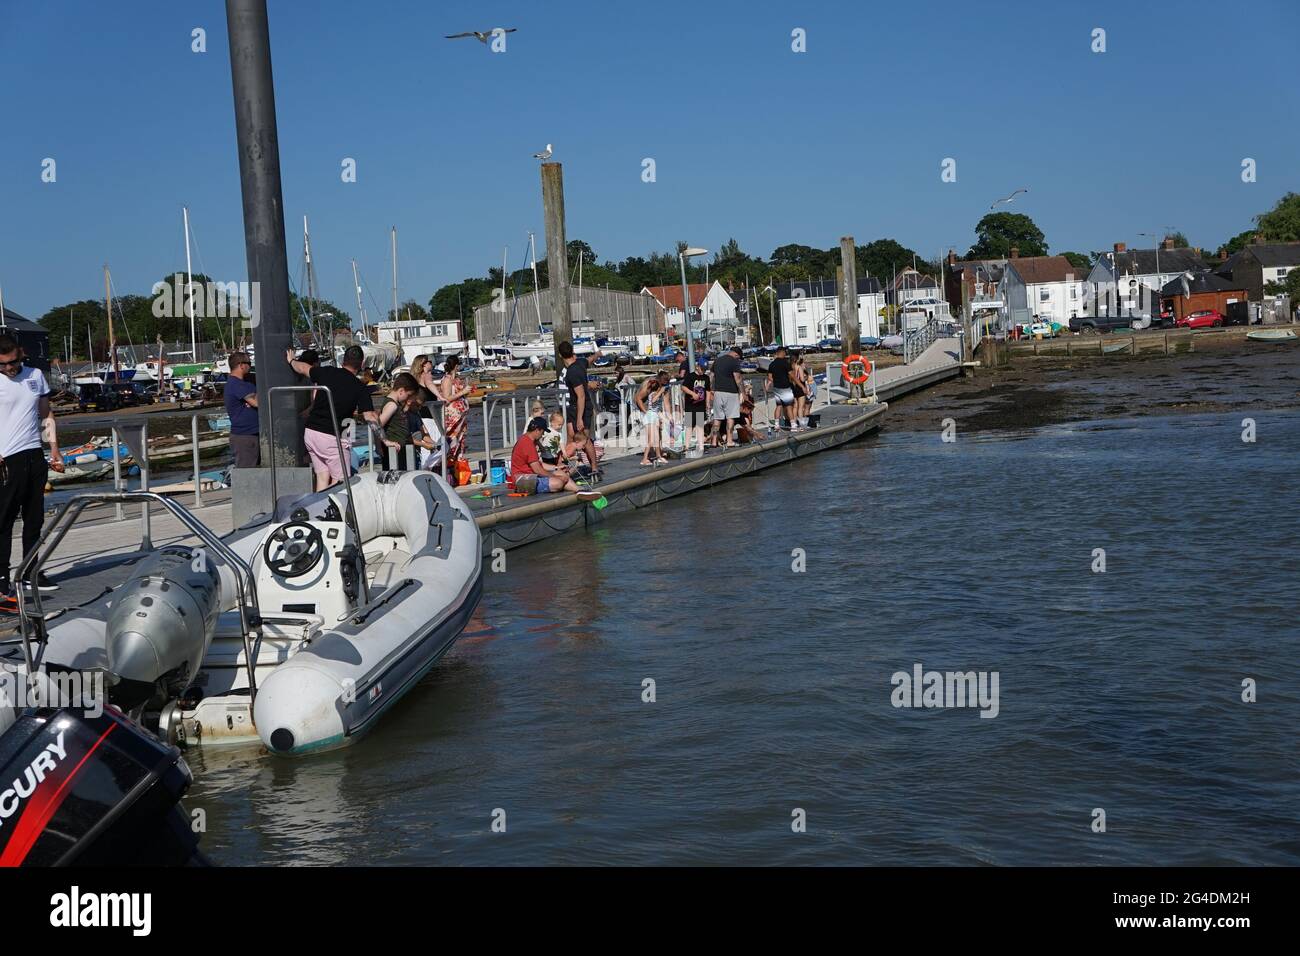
[1219, 376]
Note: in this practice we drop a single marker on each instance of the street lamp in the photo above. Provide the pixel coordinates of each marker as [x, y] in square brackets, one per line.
[1159, 278]
[682, 256]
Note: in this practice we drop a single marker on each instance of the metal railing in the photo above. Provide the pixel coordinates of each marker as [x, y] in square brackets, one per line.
[54, 532]
[916, 341]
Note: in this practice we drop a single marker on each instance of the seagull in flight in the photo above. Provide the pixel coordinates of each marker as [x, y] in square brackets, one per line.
[481, 37]
[544, 154]
[1008, 198]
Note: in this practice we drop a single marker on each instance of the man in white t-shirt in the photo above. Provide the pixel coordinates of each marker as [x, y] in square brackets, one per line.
[24, 413]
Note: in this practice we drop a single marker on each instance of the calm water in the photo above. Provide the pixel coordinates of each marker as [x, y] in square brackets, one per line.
[1118, 691]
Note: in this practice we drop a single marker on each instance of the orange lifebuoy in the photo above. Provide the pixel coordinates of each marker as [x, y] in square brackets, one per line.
[861, 363]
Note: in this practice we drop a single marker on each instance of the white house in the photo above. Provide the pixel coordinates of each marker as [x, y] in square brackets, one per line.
[1048, 287]
[713, 311]
[1133, 278]
[416, 337]
[810, 310]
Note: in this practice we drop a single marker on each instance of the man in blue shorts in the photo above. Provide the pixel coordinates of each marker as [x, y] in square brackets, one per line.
[531, 475]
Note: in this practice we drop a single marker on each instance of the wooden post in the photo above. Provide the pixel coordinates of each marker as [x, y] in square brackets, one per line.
[557, 260]
[848, 284]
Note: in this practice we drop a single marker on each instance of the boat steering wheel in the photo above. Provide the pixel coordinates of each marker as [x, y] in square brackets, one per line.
[301, 547]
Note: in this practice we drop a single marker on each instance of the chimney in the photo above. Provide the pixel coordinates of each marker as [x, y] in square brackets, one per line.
[1120, 247]
[1015, 252]
[952, 258]
[1168, 244]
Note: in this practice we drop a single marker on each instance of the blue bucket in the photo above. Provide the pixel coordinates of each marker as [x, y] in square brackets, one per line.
[497, 476]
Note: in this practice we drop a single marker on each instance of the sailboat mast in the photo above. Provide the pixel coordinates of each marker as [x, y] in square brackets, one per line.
[356, 284]
[505, 264]
[537, 288]
[189, 290]
[396, 316]
[310, 290]
[108, 304]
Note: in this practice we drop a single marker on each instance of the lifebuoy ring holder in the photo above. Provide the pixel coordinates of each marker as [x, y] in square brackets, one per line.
[856, 379]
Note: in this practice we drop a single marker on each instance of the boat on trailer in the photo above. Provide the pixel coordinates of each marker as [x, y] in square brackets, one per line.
[297, 630]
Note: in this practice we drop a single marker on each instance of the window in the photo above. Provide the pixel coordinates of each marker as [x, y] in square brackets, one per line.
[1281, 273]
[1074, 292]
[803, 305]
[1044, 295]
[803, 332]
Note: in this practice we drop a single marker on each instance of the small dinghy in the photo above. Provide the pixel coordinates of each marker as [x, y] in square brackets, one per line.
[298, 630]
[1272, 335]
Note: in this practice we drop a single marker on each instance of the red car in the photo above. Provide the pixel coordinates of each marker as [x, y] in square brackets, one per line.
[1204, 319]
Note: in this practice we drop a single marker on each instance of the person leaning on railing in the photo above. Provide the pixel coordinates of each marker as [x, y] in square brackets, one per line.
[349, 396]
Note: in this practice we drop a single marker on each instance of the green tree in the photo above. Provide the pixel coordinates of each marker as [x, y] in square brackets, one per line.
[1237, 242]
[1282, 222]
[458, 299]
[1079, 260]
[410, 311]
[1180, 241]
[578, 248]
[997, 232]
[880, 257]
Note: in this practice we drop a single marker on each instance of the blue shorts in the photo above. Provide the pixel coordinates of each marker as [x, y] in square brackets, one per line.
[540, 486]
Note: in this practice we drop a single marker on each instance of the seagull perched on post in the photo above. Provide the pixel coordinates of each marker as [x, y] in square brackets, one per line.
[997, 202]
[544, 154]
[481, 37]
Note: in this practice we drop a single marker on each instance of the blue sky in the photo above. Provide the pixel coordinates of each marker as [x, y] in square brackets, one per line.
[749, 138]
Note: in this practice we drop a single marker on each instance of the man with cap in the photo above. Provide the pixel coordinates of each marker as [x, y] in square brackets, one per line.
[532, 475]
[727, 383]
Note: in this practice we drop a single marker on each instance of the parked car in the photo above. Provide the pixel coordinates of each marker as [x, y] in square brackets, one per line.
[1096, 324]
[828, 345]
[1202, 319]
[94, 397]
[131, 393]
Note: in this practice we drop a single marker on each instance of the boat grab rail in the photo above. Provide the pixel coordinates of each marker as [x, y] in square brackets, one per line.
[54, 532]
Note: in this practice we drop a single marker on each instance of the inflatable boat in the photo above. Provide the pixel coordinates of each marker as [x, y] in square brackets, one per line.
[298, 630]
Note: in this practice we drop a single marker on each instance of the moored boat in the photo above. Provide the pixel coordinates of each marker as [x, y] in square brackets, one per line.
[297, 631]
[1271, 335]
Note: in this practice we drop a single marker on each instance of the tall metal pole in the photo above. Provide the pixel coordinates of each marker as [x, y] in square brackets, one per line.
[686, 305]
[268, 268]
[189, 291]
[108, 304]
[396, 316]
[849, 328]
[557, 258]
[361, 310]
[537, 288]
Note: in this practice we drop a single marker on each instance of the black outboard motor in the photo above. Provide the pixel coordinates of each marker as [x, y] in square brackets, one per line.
[91, 791]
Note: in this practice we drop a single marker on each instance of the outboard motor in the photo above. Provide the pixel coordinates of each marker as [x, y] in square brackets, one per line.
[162, 624]
[91, 791]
